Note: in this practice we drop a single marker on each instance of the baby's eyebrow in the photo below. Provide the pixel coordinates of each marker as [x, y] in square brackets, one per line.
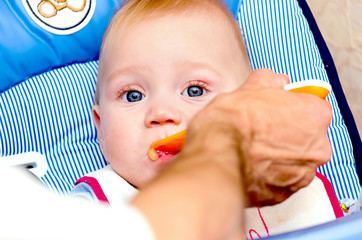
[129, 70]
[196, 65]
[186, 65]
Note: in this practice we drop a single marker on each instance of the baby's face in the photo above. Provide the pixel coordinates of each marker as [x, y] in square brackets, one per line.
[156, 77]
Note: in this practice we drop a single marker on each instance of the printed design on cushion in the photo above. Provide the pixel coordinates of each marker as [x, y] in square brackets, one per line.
[350, 206]
[49, 9]
[60, 17]
[51, 114]
[278, 37]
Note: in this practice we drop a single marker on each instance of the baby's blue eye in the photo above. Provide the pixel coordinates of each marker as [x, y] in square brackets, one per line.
[193, 91]
[132, 96]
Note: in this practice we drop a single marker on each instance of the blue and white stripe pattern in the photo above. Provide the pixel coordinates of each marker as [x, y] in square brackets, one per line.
[51, 114]
[278, 37]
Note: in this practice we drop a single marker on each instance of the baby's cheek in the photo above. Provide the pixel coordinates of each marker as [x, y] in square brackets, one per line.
[198, 108]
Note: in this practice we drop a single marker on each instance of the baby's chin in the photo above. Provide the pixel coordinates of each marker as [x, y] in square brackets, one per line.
[153, 169]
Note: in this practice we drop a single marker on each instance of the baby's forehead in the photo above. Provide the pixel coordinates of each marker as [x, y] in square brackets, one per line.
[122, 27]
[124, 21]
[136, 13]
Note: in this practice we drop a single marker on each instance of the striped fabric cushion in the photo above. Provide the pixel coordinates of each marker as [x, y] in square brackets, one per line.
[278, 37]
[51, 113]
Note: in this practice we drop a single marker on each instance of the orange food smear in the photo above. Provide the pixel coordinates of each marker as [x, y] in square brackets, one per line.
[171, 144]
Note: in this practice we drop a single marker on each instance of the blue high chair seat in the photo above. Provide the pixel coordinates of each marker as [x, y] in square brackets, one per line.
[48, 76]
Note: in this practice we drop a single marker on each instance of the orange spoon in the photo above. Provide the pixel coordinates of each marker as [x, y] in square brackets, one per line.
[318, 88]
[173, 144]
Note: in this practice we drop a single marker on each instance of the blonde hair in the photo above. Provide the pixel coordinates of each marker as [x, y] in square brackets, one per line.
[135, 11]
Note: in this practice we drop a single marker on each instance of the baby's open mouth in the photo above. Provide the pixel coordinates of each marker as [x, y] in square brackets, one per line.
[168, 146]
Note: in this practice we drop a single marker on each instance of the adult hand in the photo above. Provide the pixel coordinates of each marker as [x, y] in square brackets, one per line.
[281, 136]
[251, 147]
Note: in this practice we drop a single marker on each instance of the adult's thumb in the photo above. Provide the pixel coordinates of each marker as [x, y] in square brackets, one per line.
[265, 78]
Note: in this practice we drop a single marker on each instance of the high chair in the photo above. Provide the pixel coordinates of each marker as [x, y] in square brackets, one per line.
[48, 69]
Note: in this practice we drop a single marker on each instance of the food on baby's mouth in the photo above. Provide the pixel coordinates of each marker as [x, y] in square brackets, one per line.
[169, 145]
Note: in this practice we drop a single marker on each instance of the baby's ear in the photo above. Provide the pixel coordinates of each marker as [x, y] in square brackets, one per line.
[97, 123]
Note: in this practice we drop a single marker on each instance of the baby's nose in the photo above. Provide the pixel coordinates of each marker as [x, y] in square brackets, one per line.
[162, 115]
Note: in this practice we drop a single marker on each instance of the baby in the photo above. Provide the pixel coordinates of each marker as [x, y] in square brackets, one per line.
[160, 63]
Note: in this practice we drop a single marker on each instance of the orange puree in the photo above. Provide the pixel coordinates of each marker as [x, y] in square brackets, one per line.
[171, 144]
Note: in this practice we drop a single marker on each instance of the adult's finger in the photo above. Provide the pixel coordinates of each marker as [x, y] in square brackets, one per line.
[265, 78]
